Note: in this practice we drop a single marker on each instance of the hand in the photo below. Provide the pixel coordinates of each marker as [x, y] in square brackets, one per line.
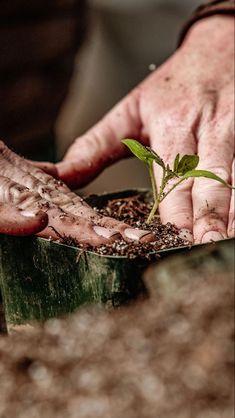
[32, 201]
[185, 107]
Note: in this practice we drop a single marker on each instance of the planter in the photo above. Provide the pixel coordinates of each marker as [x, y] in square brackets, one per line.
[41, 279]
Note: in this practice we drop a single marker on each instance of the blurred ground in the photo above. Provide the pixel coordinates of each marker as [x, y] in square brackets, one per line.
[169, 358]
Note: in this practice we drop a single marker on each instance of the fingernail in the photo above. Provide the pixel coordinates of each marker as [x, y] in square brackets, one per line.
[135, 234]
[211, 236]
[105, 232]
[28, 214]
[186, 234]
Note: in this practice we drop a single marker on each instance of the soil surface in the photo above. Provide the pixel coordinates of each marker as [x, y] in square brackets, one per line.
[168, 358]
[134, 211]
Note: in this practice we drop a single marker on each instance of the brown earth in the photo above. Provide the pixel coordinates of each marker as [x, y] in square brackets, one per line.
[134, 210]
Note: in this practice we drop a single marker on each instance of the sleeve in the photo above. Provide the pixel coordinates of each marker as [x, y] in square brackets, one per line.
[216, 7]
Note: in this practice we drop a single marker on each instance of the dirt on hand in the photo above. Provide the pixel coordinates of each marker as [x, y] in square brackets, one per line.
[169, 358]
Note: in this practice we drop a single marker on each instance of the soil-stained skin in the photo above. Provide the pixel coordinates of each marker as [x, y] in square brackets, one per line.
[26, 188]
[173, 355]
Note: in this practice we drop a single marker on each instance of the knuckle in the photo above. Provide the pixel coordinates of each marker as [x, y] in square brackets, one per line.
[171, 116]
[184, 187]
[44, 191]
[3, 147]
[4, 150]
[220, 171]
[12, 192]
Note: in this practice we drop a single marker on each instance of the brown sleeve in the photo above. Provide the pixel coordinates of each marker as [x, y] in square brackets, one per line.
[205, 10]
[39, 40]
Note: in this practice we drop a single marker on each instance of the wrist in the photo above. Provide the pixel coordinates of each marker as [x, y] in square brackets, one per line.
[214, 31]
[211, 8]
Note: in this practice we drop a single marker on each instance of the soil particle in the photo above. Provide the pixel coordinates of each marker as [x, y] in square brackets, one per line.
[44, 206]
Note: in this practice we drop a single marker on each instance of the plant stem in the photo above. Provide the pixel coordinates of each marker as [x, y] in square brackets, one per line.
[173, 187]
[153, 182]
[153, 211]
[157, 200]
[160, 197]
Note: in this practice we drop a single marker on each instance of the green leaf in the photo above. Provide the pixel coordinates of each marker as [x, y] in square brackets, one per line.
[157, 159]
[141, 152]
[170, 175]
[206, 174]
[176, 163]
[187, 163]
[145, 154]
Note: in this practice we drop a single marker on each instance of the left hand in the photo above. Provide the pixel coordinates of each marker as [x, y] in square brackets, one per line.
[33, 202]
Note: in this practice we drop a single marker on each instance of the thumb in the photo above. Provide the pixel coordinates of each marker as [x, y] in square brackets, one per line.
[101, 145]
[14, 221]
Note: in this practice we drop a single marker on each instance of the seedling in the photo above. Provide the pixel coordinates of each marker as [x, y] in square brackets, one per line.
[183, 168]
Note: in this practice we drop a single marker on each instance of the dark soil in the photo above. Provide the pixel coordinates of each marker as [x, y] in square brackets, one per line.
[134, 211]
[169, 358]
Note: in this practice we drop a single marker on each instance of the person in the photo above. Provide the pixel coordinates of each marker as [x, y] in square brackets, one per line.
[185, 106]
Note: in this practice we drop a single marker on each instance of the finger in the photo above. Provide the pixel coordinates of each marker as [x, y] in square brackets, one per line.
[17, 169]
[128, 233]
[47, 167]
[78, 207]
[61, 224]
[67, 202]
[231, 222]
[101, 145]
[21, 171]
[211, 200]
[170, 134]
[14, 221]
[25, 178]
[28, 168]
[87, 232]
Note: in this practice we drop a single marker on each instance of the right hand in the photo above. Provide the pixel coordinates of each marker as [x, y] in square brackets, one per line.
[186, 106]
[34, 202]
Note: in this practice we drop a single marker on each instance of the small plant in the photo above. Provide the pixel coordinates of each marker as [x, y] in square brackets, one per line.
[183, 168]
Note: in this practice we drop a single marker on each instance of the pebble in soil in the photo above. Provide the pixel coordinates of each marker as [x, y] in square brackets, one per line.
[134, 211]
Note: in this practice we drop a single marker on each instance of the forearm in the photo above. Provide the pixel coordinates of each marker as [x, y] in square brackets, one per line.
[215, 31]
